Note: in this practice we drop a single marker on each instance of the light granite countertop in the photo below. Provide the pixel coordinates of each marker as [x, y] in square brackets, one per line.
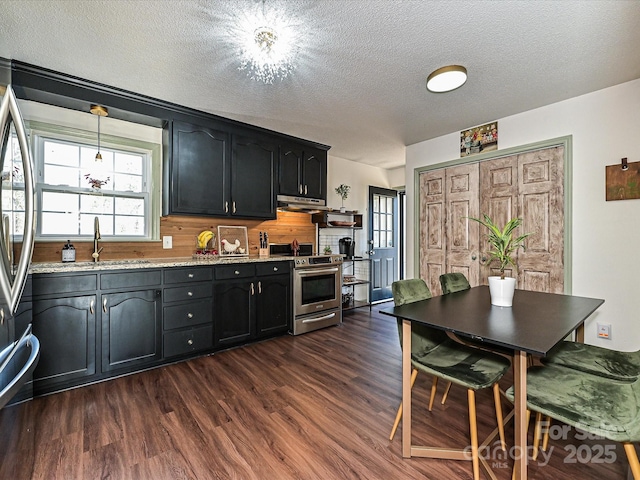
[132, 264]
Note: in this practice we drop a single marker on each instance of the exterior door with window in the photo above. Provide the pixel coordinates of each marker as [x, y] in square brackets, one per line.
[383, 240]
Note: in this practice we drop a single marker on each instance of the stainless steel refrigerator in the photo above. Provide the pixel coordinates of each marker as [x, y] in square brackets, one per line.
[19, 350]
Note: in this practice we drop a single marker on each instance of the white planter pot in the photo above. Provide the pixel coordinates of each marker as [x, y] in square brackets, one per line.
[501, 290]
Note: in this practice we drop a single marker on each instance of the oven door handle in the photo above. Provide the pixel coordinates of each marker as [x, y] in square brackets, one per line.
[314, 271]
[319, 319]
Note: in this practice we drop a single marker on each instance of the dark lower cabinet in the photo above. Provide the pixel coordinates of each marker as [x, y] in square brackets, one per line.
[233, 317]
[187, 311]
[251, 301]
[66, 328]
[131, 323]
[273, 305]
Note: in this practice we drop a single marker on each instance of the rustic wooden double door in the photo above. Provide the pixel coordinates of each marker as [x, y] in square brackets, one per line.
[529, 185]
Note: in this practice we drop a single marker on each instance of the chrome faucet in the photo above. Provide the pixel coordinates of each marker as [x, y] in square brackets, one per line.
[96, 237]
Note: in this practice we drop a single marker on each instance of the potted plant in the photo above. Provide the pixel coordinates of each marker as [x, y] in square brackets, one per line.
[503, 246]
[343, 191]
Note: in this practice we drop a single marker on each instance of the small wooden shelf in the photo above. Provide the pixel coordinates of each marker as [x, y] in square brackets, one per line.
[348, 264]
[323, 219]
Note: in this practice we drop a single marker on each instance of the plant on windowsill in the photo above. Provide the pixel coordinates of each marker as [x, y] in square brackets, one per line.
[343, 191]
[503, 246]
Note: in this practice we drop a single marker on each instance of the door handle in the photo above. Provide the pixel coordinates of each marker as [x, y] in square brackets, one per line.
[473, 257]
[104, 305]
[91, 310]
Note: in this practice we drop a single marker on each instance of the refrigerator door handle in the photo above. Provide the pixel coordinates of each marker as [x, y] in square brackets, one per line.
[11, 288]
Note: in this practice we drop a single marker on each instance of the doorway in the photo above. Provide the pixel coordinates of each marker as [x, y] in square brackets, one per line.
[383, 242]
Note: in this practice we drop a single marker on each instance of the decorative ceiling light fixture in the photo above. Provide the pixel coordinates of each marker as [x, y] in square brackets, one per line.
[446, 78]
[269, 46]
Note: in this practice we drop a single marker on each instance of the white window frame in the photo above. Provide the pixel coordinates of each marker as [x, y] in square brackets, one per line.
[40, 132]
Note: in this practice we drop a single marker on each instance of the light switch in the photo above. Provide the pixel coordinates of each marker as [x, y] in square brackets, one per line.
[167, 241]
[604, 331]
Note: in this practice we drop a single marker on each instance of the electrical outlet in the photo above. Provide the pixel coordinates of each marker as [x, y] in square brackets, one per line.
[167, 242]
[604, 330]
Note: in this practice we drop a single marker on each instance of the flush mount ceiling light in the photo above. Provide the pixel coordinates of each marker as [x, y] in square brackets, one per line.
[446, 78]
[269, 46]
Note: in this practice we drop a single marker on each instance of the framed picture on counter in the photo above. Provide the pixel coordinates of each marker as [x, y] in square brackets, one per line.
[232, 241]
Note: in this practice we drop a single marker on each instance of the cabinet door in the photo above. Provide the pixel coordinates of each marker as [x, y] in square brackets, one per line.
[66, 328]
[130, 328]
[273, 305]
[199, 169]
[253, 169]
[290, 170]
[314, 173]
[233, 311]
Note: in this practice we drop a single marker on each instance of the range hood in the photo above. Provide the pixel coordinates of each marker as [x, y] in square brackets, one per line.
[290, 203]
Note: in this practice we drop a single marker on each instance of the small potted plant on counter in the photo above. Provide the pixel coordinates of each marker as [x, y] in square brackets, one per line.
[503, 246]
[343, 191]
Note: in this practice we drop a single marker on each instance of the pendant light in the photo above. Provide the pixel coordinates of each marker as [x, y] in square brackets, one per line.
[100, 111]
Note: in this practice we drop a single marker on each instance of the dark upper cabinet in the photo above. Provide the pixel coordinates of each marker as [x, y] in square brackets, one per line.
[198, 173]
[220, 173]
[302, 171]
[253, 171]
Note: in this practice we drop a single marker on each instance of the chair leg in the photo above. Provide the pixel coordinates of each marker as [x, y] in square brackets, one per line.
[473, 428]
[414, 374]
[434, 387]
[446, 393]
[499, 417]
[536, 435]
[545, 437]
[632, 456]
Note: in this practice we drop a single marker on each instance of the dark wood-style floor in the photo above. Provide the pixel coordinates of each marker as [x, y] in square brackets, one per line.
[316, 406]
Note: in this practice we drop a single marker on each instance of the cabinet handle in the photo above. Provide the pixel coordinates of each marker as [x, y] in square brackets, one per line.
[190, 294]
[234, 206]
[189, 315]
[305, 189]
[91, 307]
[104, 305]
[1, 316]
[253, 292]
[226, 207]
[300, 189]
[275, 269]
[260, 287]
[190, 275]
[236, 272]
[190, 341]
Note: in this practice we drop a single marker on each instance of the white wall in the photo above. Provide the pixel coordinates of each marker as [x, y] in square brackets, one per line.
[359, 177]
[605, 126]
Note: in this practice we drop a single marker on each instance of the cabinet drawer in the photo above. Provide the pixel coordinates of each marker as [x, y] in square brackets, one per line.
[186, 341]
[47, 284]
[188, 314]
[189, 292]
[130, 279]
[235, 271]
[184, 275]
[273, 268]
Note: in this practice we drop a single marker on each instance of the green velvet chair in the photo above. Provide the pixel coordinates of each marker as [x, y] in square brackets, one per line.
[463, 365]
[450, 283]
[623, 366]
[423, 338]
[598, 405]
[453, 282]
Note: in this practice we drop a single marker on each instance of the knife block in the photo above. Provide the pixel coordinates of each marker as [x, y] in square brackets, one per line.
[263, 252]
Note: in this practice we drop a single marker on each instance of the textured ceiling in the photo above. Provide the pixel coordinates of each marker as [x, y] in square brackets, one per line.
[359, 84]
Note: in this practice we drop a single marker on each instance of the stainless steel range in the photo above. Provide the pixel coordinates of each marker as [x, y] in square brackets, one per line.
[317, 291]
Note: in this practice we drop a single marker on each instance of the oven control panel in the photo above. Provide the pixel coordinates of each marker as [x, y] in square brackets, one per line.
[317, 261]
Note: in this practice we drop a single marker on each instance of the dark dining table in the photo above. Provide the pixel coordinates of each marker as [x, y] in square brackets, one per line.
[533, 325]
